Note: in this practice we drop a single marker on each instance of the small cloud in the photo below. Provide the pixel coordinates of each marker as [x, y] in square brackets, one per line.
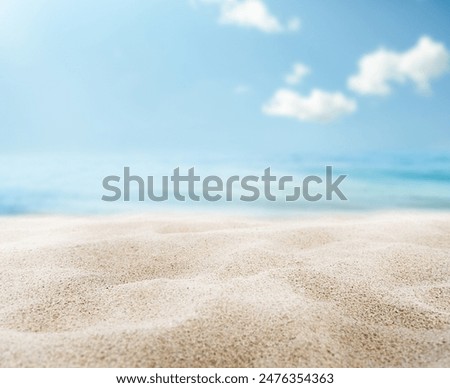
[293, 24]
[241, 89]
[425, 61]
[299, 71]
[250, 13]
[319, 106]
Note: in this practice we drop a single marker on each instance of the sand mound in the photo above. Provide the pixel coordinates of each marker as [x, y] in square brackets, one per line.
[203, 291]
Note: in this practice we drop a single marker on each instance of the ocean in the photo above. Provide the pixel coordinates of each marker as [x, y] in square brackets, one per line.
[73, 184]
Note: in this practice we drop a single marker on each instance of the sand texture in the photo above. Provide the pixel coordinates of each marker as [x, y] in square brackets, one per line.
[361, 290]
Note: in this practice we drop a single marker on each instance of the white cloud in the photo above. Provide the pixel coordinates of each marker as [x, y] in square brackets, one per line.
[242, 89]
[251, 13]
[293, 24]
[299, 71]
[420, 64]
[319, 106]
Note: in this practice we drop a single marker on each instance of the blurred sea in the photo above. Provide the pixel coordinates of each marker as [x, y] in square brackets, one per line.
[72, 184]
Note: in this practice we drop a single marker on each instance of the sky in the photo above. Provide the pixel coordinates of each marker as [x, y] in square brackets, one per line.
[224, 77]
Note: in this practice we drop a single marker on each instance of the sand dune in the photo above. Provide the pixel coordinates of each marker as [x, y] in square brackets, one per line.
[367, 290]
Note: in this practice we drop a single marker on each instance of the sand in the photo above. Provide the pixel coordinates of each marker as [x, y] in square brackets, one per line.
[349, 290]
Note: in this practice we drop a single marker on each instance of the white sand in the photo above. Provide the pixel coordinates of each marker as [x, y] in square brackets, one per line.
[197, 291]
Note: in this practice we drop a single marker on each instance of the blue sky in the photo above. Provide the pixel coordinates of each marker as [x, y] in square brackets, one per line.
[189, 77]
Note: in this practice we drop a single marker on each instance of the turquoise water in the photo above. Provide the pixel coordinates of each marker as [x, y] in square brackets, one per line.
[69, 184]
